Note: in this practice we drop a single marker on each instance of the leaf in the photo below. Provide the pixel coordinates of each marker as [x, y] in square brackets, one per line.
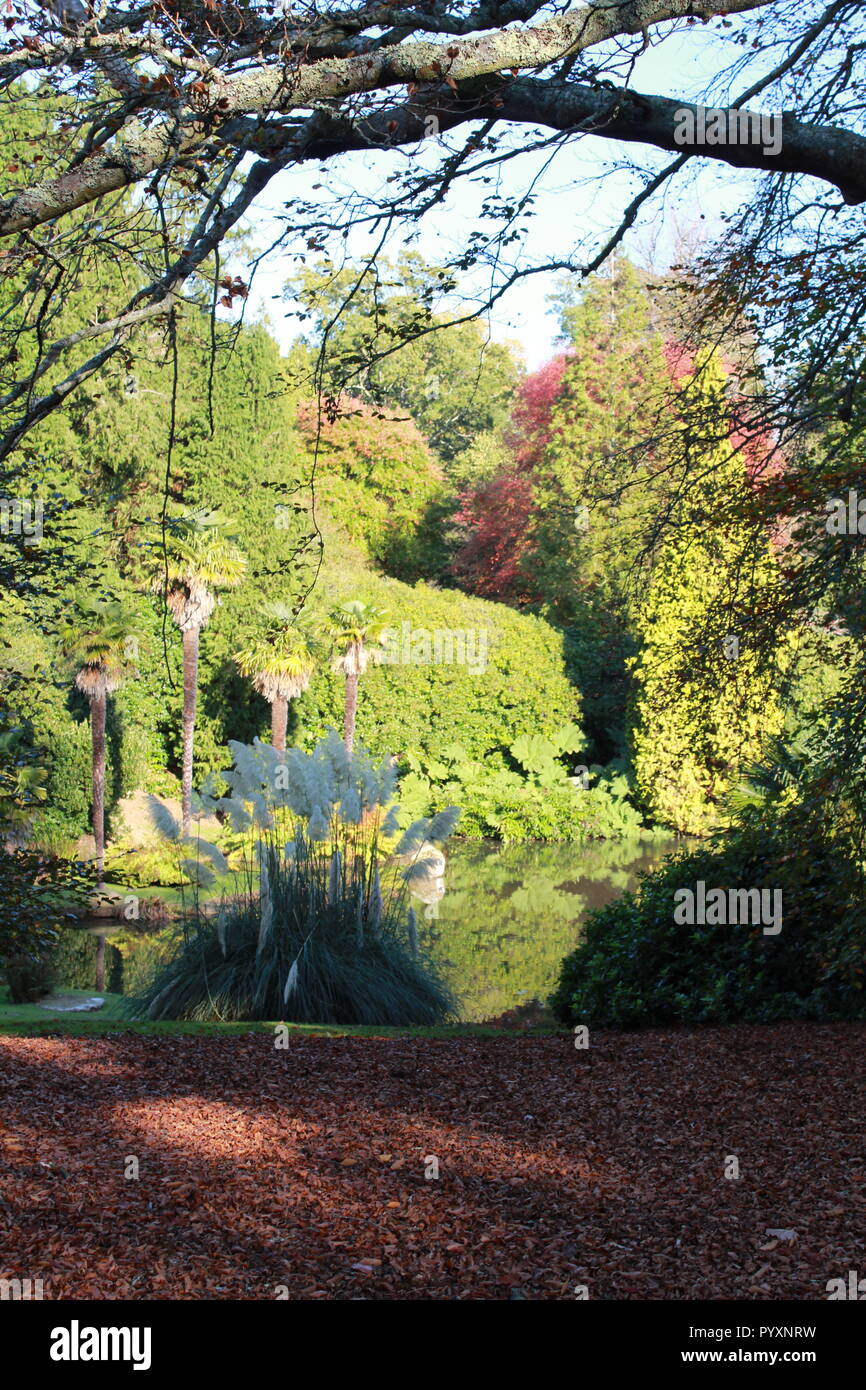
[569, 739]
[291, 982]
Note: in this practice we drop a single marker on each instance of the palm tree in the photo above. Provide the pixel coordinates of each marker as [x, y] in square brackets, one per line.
[99, 643]
[280, 664]
[354, 628]
[199, 556]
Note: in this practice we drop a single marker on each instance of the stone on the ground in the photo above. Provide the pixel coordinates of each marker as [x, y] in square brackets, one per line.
[71, 1003]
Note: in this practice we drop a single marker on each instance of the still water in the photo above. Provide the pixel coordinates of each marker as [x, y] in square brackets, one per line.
[511, 912]
[509, 915]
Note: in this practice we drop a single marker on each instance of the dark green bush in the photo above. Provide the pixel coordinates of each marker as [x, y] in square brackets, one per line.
[637, 966]
[29, 978]
[37, 895]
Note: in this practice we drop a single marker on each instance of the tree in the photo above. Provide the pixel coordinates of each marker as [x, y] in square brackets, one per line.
[495, 519]
[280, 664]
[99, 642]
[564, 525]
[354, 628]
[593, 476]
[199, 556]
[382, 337]
[376, 479]
[200, 114]
[705, 700]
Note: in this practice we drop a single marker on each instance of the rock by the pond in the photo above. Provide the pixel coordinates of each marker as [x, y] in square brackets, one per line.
[71, 1003]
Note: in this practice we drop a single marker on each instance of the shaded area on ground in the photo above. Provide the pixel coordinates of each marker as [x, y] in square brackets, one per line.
[263, 1169]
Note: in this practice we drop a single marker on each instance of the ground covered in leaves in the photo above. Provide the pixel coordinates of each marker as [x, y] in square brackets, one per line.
[309, 1171]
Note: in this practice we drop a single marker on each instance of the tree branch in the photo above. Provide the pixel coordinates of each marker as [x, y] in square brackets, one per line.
[140, 149]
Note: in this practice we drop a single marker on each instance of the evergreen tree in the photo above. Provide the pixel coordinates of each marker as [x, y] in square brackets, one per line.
[704, 702]
[198, 557]
[280, 664]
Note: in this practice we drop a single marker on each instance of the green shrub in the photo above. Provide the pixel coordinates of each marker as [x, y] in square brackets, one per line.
[539, 802]
[68, 758]
[637, 966]
[29, 978]
[520, 686]
[37, 894]
[143, 866]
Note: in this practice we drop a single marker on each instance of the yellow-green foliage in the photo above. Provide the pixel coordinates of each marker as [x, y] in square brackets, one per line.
[704, 701]
[375, 478]
[512, 682]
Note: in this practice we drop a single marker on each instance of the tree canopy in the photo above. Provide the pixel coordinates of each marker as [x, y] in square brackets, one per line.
[171, 119]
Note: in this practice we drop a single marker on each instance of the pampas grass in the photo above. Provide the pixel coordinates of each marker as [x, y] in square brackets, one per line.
[319, 929]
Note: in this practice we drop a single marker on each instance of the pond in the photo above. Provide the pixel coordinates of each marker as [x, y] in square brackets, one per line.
[509, 915]
[511, 912]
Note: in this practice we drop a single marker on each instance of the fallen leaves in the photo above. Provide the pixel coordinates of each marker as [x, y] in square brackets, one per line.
[308, 1169]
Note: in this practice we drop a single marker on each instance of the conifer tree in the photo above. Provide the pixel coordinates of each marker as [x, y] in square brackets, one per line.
[704, 704]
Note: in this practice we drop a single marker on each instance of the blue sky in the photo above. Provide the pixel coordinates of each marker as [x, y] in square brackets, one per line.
[575, 208]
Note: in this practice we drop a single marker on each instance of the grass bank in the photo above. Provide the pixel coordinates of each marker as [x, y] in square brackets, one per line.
[33, 1020]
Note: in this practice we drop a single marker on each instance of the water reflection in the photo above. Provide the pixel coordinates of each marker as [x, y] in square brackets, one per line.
[511, 912]
[499, 925]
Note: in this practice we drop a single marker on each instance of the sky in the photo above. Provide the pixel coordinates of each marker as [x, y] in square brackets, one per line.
[573, 209]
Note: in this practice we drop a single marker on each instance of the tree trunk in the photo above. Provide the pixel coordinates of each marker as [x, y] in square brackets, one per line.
[351, 710]
[279, 722]
[190, 691]
[97, 737]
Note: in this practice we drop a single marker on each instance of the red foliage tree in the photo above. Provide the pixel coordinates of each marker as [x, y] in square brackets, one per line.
[529, 432]
[495, 558]
[496, 516]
